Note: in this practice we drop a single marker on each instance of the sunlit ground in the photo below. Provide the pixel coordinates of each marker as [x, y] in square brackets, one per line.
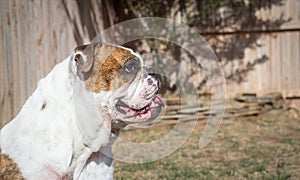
[265, 147]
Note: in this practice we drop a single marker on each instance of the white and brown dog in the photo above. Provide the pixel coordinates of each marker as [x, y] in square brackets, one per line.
[66, 128]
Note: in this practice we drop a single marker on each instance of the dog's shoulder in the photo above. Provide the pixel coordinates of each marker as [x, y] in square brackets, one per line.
[8, 168]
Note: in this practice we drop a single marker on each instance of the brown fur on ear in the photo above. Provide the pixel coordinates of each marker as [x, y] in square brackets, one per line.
[85, 64]
[8, 168]
[81, 47]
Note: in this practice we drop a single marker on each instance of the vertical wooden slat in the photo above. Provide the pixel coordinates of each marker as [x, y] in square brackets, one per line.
[276, 63]
[249, 78]
[258, 69]
[14, 84]
[295, 56]
[44, 34]
[4, 105]
[265, 73]
[283, 61]
[295, 60]
[9, 99]
[20, 56]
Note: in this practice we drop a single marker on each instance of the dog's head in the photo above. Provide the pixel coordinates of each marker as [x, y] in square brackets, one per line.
[122, 85]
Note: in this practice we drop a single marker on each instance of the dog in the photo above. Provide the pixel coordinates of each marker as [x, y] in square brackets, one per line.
[67, 127]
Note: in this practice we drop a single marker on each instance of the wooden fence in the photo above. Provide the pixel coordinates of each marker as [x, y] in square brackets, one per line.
[36, 35]
[273, 66]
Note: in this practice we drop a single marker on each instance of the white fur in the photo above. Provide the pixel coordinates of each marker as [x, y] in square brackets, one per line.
[48, 143]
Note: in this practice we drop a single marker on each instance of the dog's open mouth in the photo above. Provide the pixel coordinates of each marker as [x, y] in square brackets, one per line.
[146, 113]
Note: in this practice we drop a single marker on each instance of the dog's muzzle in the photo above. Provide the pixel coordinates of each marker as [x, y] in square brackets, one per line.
[145, 105]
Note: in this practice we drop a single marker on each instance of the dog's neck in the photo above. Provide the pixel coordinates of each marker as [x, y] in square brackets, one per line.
[95, 128]
[67, 91]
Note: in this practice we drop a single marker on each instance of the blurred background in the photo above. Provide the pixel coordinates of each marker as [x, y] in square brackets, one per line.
[257, 43]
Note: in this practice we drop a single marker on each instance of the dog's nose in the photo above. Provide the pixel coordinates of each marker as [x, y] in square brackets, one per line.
[150, 71]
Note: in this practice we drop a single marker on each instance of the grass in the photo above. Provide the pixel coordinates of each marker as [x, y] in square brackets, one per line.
[265, 147]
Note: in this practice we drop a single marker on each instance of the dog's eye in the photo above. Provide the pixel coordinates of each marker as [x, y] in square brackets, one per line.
[131, 68]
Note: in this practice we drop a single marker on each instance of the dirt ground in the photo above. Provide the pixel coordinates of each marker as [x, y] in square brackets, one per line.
[264, 147]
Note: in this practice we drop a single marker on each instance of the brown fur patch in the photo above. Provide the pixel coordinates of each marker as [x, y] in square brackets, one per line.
[8, 168]
[108, 61]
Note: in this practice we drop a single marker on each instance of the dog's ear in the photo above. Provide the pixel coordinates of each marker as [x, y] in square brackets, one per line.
[83, 58]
